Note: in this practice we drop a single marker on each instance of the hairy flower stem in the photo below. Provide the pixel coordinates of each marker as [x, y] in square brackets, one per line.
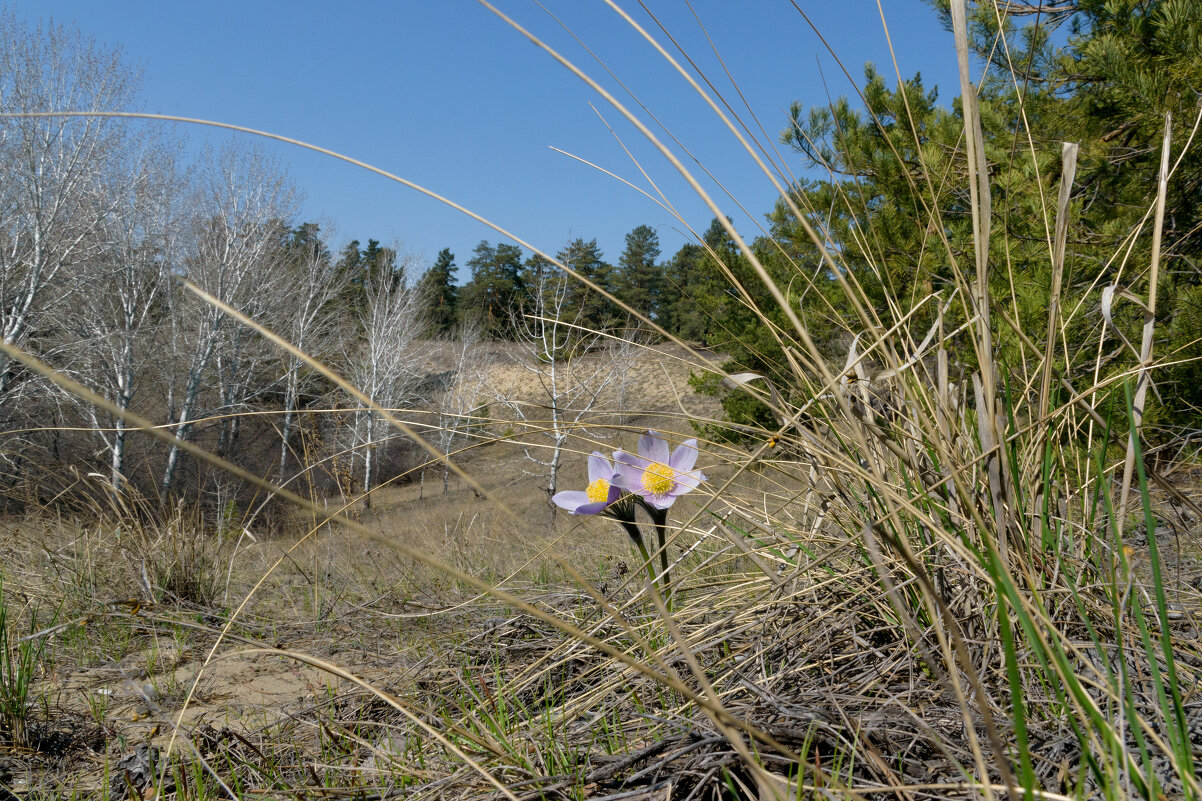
[660, 518]
[636, 536]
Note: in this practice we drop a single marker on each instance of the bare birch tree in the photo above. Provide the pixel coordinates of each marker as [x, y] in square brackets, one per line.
[464, 391]
[385, 363]
[113, 328]
[58, 186]
[553, 347]
[310, 321]
[242, 201]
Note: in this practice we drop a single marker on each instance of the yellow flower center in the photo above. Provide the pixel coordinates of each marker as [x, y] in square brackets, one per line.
[658, 478]
[597, 490]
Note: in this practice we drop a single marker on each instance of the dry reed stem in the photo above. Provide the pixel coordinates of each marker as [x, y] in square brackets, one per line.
[1068, 170]
[1143, 375]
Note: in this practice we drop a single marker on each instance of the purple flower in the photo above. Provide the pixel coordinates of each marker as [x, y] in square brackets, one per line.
[600, 492]
[657, 475]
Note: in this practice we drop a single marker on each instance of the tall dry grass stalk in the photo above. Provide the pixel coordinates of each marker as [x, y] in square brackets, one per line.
[908, 588]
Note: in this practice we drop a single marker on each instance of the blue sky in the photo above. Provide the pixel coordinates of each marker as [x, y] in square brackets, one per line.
[445, 94]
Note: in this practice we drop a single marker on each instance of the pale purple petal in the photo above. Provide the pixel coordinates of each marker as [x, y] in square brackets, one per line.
[661, 501]
[591, 508]
[654, 448]
[630, 469]
[684, 457]
[599, 467]
[688, 481]
[630, 460]
[570, 500]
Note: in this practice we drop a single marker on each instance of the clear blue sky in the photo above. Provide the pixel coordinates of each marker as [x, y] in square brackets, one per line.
[445, 94]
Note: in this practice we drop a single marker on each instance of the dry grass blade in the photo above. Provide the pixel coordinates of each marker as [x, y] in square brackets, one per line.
[1068, 170]
[981, 207]
[979, 189]
[1145, 354]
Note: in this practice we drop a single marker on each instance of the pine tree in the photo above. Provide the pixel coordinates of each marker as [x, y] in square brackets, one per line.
[639, 280]
[1130, 64]
[492, 294]
[586, 260]
[305, 240]
[534, 270]
[438, 286]
[362, 267]
[379, 261]
[894, 212]
[696, 294]
[1126, 64]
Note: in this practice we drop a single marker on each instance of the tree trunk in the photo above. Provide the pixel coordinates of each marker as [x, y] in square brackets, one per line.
[117, 461]
[182, 433]
[285, 435]
[367, 460]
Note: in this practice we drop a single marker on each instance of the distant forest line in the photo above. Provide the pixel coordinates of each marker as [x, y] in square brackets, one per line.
[99, 219]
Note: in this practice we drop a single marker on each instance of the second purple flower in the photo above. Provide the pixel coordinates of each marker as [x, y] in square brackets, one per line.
[657, 474]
